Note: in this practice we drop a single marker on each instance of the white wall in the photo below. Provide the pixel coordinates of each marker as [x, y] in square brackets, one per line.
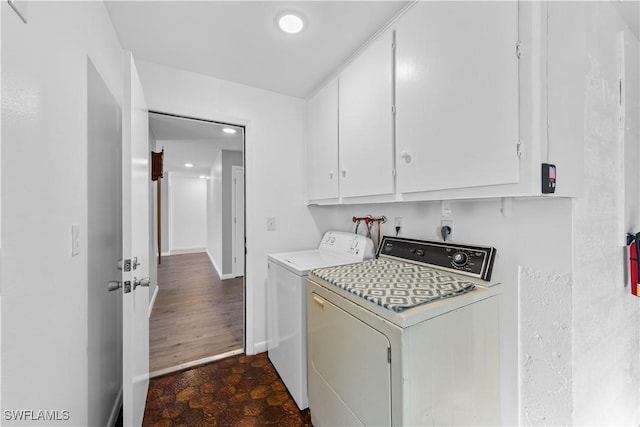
[274, 171]
[606, 318]
[214, 214]
[187, 213]
[44, 131]
[580, 334]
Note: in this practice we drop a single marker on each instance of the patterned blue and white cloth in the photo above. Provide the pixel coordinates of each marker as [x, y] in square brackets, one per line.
[393, 284]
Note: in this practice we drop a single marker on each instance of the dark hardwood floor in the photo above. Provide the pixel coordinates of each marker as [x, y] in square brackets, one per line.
[196, 315]
[237, 391]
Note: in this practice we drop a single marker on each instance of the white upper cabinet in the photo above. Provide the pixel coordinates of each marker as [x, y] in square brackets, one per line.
[456, 96]
[322, 144]
[366, 121]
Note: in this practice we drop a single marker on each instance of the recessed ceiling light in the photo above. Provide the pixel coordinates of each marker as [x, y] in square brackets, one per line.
[188, 165]
[291, 23]
[228, 130]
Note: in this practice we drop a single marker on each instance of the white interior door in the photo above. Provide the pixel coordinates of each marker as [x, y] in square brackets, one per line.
[135, 247]
[238, 220]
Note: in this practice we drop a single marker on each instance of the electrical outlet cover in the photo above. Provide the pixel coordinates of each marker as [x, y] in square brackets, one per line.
[444, 223]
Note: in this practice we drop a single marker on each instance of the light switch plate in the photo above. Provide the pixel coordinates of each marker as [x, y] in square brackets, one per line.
[75, 239]
[271, 223]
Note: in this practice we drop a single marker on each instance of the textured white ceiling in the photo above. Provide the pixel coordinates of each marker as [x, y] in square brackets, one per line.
[239, 41]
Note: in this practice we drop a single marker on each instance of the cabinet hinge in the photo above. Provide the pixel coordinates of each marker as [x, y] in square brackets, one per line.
[393, 172]
[388, 354]
[393, 109]
[518, 48]
[519, 148]
[393, 45]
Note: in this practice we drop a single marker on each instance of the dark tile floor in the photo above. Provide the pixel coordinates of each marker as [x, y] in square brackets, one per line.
[238, 391]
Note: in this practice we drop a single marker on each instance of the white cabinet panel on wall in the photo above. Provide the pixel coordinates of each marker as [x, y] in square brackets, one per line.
[322, 143]
[366, 122]
[456, 95]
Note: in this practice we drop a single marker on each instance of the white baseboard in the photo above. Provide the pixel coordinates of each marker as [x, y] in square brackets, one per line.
[186, 251]
[153, 299]
[165, 253]
[214, 264]
[195, 363]
[115, 411]
[222, 276]
[259, 347]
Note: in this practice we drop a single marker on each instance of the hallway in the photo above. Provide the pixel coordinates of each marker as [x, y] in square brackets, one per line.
[196, 315]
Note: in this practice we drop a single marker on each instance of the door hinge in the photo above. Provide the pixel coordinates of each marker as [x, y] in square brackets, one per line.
[518, 49]
[393, 172]
[393, 109]
[393, 45]
[388, 354]
[519, 148]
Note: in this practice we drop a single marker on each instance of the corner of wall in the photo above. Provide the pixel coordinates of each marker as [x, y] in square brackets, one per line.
[545, 342]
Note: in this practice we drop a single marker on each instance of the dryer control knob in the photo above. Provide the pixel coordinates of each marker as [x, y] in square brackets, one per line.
[459, 259]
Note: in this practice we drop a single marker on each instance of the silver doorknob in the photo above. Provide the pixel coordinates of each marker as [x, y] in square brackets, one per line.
[114, 285]
[145, 282]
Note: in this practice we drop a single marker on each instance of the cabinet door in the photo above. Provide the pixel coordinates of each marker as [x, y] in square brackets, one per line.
[322, 144]
[366, 122]
[456, 95]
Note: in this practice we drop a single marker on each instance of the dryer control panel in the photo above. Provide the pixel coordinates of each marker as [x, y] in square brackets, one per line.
[475, 261]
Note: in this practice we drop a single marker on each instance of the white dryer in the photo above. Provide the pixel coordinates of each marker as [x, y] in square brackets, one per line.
[287, 307]
[410, 338]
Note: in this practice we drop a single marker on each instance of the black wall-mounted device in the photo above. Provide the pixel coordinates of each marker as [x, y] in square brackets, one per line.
[548, 178]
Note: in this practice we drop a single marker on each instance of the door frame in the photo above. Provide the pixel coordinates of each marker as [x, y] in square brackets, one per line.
[246, 125]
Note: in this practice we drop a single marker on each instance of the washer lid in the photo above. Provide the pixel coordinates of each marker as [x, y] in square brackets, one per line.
[302, 262]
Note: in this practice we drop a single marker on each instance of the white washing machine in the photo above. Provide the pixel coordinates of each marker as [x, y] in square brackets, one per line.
[287, 306]
[410, 338]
